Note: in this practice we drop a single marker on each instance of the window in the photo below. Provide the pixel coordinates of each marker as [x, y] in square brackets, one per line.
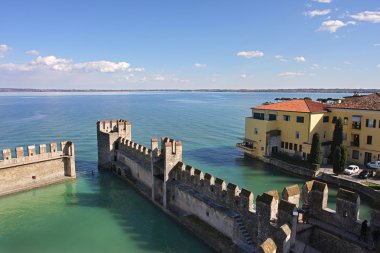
[291, 146]
[326, 119]
[300, 148]
[344, 136]
[345, 121]
[256, 130]
[282, 144]
[272, 117]
[355, 154]
[334, 119]
[300, 119]
[369, 140]
[286, 118]
[295, 147]
[356, 122]
[297, 134]
[286, 145]
[259, 116]
[371, 123]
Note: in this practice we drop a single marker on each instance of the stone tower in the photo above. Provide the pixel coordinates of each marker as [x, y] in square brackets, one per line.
[163, 162]
[108, 133]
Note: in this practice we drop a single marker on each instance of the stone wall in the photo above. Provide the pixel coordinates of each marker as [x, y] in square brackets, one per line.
[135, 160]
[37, 167]
[270, 224]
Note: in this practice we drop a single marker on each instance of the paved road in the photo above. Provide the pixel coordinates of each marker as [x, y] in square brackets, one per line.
[327, 169]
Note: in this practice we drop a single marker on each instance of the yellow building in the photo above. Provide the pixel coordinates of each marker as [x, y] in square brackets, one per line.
[289, 127]
[361, 126]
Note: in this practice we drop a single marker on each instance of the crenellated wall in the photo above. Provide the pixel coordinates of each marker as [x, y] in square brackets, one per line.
[274, 223]
[33, 167]
[108, 133]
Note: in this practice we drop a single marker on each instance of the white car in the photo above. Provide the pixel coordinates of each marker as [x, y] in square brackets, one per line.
[351, 169]
[374, 165]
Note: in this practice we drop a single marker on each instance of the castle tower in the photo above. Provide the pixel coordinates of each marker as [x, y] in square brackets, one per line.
[108, 134]
[168, 158]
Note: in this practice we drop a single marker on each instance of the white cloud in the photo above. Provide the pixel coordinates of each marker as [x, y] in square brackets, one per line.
[376, 45]
[347, 62]
[299, 59]
[291, 74]
[369, 16]
[52, 62]
[314, 13]
[323, 1]
[200, 65]
[315, 66]
[333, 25]
[378, 66]
[159, 77]
[250, 54]
[65, 65]
[3, 49]
[102, 66]
[243, 76]
[281, 58]
[32, 52]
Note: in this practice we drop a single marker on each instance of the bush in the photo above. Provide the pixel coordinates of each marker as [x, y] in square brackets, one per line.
[292, 160]
[377, 175]
[315, 166]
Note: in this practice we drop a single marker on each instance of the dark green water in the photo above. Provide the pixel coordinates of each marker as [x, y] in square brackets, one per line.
[99, 213]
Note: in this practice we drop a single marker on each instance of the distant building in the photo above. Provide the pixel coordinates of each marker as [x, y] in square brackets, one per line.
[289, 127]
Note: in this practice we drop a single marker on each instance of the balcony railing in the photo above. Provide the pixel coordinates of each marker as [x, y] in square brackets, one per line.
[356, 125]
[245, 146]
[355, 143]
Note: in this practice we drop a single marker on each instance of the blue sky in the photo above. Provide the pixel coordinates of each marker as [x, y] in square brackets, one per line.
[190, 44]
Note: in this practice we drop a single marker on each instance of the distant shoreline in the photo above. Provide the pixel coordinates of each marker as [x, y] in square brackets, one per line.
[197, 90]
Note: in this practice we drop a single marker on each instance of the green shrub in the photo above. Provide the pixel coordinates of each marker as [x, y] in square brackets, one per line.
[292, 160]
[315, 166]
[377, 175]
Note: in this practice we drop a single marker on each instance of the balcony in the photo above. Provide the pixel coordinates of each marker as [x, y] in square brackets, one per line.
[355, 143]
[356, 125]
[245, 146]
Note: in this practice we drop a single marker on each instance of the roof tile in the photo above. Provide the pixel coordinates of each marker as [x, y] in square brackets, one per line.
[296, 105]
[367, 102]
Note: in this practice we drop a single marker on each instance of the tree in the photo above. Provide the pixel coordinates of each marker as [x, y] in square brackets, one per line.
[337, 135]
[339, 159]
[343, 159]
[316, 151]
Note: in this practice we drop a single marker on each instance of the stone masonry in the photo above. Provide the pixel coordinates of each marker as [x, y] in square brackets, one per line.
[293, 221]
[35, 167]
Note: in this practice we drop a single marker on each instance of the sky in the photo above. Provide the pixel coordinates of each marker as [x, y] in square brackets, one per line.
[194, 44]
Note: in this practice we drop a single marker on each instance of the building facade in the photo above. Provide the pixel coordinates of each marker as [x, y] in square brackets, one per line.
[289, 126]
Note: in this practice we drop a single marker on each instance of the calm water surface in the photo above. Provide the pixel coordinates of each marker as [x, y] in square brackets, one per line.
[99, 213]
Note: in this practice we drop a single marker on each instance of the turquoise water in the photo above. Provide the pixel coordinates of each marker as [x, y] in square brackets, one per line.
[98, 213]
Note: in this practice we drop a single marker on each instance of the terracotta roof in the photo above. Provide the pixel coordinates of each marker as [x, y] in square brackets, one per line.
[368, 102]
[296, 105]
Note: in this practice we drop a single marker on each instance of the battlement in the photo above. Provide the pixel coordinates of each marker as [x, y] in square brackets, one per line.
[134, 149]
[346, 215]
[33, 154]
[113, 125]
[229, 194]
[35, 166]
[170, 146]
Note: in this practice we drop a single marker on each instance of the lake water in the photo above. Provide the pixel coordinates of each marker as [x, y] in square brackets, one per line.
[100, 213]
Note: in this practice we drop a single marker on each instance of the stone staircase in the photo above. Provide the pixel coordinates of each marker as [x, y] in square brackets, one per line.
[243, 230]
